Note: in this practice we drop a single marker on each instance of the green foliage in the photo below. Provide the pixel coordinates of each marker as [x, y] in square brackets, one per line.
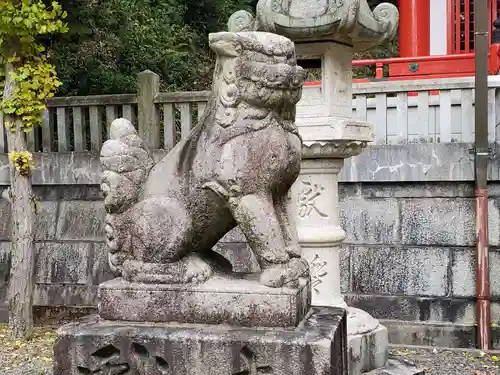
[22, 160]
[26, 20]
[36, 81]
[32, 77]
[111, 41]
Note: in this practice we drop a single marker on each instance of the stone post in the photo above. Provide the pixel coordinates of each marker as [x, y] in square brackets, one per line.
[316, 210]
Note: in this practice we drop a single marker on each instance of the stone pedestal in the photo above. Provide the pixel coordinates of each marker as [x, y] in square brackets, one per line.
[317, 346]
[228, 325]
[223, 299]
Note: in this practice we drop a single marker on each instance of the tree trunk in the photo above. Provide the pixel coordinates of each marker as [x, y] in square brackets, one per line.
[22, 241]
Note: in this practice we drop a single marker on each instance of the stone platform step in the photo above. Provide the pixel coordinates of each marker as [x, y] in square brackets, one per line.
[223, 299]
[316, 346]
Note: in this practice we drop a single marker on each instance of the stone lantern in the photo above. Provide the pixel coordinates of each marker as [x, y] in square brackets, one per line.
[328, 32]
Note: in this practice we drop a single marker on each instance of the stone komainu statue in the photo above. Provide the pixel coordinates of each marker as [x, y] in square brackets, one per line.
[235, 168]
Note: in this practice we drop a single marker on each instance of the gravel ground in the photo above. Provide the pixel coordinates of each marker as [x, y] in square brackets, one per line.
[34, 357]
[448, 362]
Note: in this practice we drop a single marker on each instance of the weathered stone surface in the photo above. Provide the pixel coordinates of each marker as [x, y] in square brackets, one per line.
[457, 311]
[349, 22]
[407, 271]
[45, 221]
[229, 300]
[234, 235]
[345, 268]
[493, 221]
[72, 192]
[100, 271]
[45, 226]
[65, 295]
[4, 269]
[436, 334]
[431, 334]
[413, 162]
[420, 309]
[81, 220]
[454, 165]
[316, 347]
[239, 255]
[463, 273]
[368, 351]
[62, 263]
[394, 367]
[58, 168]
[396, 190]
[5, 223]
[235, 168]
[493, 189]
[448, 222]
[370, 221]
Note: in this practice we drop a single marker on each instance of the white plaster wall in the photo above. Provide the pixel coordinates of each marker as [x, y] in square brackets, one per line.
[438, 32]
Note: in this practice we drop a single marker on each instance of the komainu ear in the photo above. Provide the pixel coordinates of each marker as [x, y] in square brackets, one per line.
[225, 44]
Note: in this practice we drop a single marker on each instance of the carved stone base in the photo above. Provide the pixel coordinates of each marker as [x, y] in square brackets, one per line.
[368, 342]
[317, 347]
[221, 299]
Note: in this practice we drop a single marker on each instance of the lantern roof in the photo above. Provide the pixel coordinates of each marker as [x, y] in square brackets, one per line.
[349, 22]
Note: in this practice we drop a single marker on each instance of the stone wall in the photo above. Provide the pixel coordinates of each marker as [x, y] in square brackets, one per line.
[408, 259]
[71, 255]
[409, 256]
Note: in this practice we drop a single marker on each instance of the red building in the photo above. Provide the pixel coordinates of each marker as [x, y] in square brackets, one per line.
[437, 41]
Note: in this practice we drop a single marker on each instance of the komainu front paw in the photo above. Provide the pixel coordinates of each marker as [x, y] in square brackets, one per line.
[285, 275]
[197, 269]
[191, 269]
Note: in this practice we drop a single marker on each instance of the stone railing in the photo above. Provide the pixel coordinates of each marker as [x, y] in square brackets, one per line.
[424, 111]
[440, 110]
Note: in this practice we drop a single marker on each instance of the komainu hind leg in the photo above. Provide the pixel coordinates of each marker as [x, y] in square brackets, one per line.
[162, 245]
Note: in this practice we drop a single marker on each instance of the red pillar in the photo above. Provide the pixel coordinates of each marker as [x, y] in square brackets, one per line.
[414, 28]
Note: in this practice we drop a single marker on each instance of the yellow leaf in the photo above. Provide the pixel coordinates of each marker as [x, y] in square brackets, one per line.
[494, 358]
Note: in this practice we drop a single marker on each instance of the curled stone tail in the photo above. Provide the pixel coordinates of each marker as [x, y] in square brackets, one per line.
[125, 165]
